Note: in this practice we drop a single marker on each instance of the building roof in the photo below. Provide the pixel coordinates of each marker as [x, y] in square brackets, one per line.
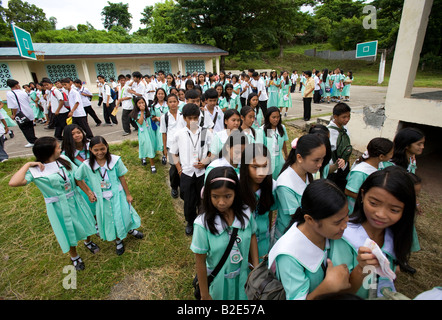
[91, 50]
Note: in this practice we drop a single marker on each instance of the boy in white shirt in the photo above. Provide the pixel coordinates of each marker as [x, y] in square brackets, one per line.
[77, 112]
[262, 93]
[191, 155]
[125, 99]
[86, 97]
[108, 102]
[58, 108]
[215, 112]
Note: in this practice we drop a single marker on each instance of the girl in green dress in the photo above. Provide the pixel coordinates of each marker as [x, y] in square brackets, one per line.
[232, 121]
[70, 216]
[275, 139]
[222, 101]
[157, 109]
[254, 134]
[146, 135]
[236, 92]
[285, 99]
[116, 217]
[304, 160]
[384, 213]
[345, 94]
[325, 86]
[253, 102]
[258, 192]
[304, 258]
[274, 86]
[224, 210]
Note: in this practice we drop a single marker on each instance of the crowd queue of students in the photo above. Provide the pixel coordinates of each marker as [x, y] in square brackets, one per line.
[301, 203]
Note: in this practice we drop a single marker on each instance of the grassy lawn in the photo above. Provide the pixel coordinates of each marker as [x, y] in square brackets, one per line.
[161, 266]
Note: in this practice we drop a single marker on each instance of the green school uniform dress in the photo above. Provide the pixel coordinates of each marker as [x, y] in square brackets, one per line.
[325, 86]
[259, 119]
[263, 224]
[79, 157]
[298, 263]
[273, 93]
[146, 138]
[229, 282]
[285, 100]
[219, 139]
[223, 104]
[237, 97]
[290, 188]
[157, 111]
[257, 137]
[9, 122]
[274, 143]
[115, 217]
[70, 216]
[346, 91]
[354, 237]
[220, 162]
[181, 106]
[356, 177]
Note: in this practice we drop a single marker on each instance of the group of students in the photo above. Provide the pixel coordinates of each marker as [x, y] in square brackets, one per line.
[302, 204]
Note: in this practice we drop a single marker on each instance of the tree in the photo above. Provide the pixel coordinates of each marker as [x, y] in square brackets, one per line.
[116, 14]
[26, 16]
[336, 10]
[349, 32]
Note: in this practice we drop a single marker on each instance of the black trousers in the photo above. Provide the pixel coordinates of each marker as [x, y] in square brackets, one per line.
[60, 123]
[90, 111]
[190, 191]
[107, 113]
[317, 96]
[82, 122]
[263, 106]
[28, 131]
[126, 121]
[307, 108]
[174, 177]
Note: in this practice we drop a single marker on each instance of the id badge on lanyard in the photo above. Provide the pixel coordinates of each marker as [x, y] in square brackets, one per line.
[104, 183]
[235, 255]
[275, 145]
[67, 184]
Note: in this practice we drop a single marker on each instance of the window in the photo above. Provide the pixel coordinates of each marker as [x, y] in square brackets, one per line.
[5, 74]
[195, 65]
[106, 69]
[59, 71]
[162, 65]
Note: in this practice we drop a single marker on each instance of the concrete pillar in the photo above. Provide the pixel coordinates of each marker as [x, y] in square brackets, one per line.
[87, 77]
[180, 66]
[217, 65]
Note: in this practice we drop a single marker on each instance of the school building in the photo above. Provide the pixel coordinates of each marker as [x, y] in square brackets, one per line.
[85, 61]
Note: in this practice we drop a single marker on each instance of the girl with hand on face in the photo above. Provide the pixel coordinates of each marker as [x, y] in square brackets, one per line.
[158, 108]
[116, 217]
[232, 121]
[304, 160]
[224, 211]
[384, 212]
[304, 258]
[71, 218]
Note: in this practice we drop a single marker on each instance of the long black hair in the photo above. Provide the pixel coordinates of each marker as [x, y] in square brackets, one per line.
[393, 179]
[94, 141]
[232, 183]
[403, 139]
[321, 199]
[136, 109]
[377, 147]
[68, 145]
[44, 148]
[244, 111]
[266, 199]
[267, 124]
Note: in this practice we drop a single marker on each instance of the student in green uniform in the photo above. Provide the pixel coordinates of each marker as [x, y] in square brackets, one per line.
[232, 121]
[71, 218]
[221, 102]
[305, 159]
[303, 259]
[348, 80]
[255, 135]
[378, 150]
[384, 212]
[224, 210]
[157, 109]
[274, 87]
[285, 98]
[253, 102]
[230, 154]
[275, 139]
[146, 135]
[325, 86]
[116, 217]
[236, 95]
[258, 192]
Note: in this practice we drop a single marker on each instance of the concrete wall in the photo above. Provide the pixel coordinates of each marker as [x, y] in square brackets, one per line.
[335, 55]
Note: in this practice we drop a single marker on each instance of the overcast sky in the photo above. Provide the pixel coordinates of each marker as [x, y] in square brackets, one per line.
[74, 12]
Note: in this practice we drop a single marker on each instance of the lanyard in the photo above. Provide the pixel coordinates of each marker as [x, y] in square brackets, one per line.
[102, 175]
[194, 144]
[64, 176]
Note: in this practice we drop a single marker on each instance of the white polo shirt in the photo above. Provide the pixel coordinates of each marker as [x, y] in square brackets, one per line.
[75, 97]
[219, 115]
[139, 88]
[55, 96]
[23, 100]
[262, 88]
[172, 126]
[107, 93]
[85, 100]
[124, 93]
[188, 146]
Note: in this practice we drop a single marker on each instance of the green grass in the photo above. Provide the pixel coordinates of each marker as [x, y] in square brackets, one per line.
[365, 73]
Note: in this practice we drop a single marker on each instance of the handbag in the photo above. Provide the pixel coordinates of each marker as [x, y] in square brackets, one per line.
[217, 269]
[20, 117]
